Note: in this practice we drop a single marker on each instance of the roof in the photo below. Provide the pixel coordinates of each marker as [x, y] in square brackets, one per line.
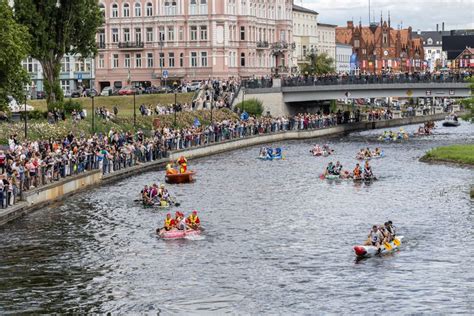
[327, 25]
[304, 10]
[435, 36]
[466, 51]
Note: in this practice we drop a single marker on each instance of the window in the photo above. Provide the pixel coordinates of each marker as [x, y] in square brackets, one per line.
[79, 66]
[203, 59]
[149, 9]
[65, 85]
[127, 61]
[101, 61]
[126, 35]
[181, 33]
[193, 6]
[138, 9]
[356, 43]
[242, 33]
[170, 59]
[101, 38]
[126, 10]
[161, 34]
[102, 10]
[193, 33]
[149, 60]
[114, 10]
[170, 7]
[138, 60]
[203, 33]
[115, 61]
[115, 36]
[203, 7]
[181, 60]
[162, 60]
[65, 66]
[170, 33]
[242, 59]
[138, 35]
[193, 59]
[430, 41]
[149, 34]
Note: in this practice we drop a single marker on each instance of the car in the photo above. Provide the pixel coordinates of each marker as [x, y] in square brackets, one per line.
[165, 89]
[127, 90]
[40, 95]
[91, 92]
[151, 90]
[108, 91]
[194, 86]
[76, 94]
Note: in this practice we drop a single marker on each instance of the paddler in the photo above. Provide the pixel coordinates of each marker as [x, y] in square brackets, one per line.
[377, 152]
[374, 237]
[367, 170]
[183, 164]
[337, 168]
[169, 222]
[180, 220]
[170, 169]
[330, 168]
[357, 172]
[193, 221]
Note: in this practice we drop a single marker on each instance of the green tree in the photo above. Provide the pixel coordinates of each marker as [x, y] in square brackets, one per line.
[58, 28]
[14, 40]
[319, 64]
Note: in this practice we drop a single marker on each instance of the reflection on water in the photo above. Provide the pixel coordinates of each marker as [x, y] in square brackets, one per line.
[278, 239]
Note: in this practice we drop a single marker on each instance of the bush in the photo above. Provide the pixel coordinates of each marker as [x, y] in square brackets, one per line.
[34, 115]
[251, 106]
[56, 105]
[70, 106]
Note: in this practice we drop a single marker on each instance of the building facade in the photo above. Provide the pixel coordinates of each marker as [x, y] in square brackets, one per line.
[435, 57]
[327, 40]
[305, 34]
[152, 42]
[380, 48]
[343, 58]
[76, 73]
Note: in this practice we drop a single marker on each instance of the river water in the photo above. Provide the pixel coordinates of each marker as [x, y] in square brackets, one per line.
[278, 239]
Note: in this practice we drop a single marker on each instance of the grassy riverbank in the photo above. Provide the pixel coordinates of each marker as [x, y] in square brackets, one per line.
[462, 154]
[40, 129]
[124, 103]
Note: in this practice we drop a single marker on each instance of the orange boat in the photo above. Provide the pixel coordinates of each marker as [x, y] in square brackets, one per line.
[186, 177]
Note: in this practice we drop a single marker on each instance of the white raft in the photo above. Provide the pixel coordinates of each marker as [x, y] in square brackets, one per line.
[369, 251]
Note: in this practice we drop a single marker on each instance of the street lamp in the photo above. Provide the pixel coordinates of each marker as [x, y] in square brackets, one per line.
[175, 85]
[26, 114]
[93, 112]
[162, 58]
[134, 108]
[243, 99]
[211, 103]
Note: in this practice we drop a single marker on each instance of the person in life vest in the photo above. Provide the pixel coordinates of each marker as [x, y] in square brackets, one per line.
[180, 220]
[357, 172]
[368, 170]
[169, 222]
[183, 166]
[170, 169]
[338, 168]
[329, 169]
[193, 221]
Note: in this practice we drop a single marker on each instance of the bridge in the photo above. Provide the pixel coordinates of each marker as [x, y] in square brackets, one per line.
[282, 97]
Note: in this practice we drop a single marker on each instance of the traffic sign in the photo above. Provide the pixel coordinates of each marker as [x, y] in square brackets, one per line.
[165, 74]
[79, 76]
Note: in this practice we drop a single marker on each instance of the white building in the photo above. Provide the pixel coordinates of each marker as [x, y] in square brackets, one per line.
[343, 58]
[305, 34]
[327, 39]
[75, 72]
[433, 47]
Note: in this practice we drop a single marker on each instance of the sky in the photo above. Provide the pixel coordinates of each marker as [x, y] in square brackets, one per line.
[419, 14]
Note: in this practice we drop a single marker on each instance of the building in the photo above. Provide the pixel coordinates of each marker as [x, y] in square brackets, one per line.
[76, 72]
[435, 57]
[305, 34]
[155, 42]
[465, 60]
[380, 48]
[456, 42]
[327, 40]
[343, 58]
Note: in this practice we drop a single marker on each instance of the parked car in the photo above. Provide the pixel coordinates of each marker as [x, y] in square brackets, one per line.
[108, 91]
[194, 86]
[127, 90]
[90, 92]
[76, 94]
[40, 95]
[165, 89]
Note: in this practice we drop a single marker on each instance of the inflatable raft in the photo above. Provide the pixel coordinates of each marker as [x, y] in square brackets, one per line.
[186, 177]
[178, 234]
[363, 251]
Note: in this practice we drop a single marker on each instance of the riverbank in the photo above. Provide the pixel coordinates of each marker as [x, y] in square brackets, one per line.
[58, 190]
[458, 154]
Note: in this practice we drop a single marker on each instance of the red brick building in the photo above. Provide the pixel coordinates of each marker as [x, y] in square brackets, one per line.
[381, 48]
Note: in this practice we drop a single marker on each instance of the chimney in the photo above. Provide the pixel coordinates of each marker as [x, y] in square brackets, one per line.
[350, 24]
[437, 27]
[442, 28]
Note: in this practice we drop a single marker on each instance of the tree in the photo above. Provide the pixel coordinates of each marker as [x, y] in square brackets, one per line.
[319, 64]
[14, 40]
[58, 28]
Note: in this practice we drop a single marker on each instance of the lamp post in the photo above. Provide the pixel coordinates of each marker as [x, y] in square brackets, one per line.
[134, 108]
[26, 115]
[175, 85]
[211, 104]
[243, 99]
[162, 58]
[93, 112]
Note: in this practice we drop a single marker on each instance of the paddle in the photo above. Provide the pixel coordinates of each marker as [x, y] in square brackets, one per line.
[322, 176]
[396, 242]
[387, 246]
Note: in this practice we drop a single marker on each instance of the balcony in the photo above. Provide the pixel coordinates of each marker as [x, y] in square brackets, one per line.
[262, 44]
[281, 47]
[131, 45]
[100, 45]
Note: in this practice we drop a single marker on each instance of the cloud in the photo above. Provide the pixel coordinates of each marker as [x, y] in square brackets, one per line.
[419, 14]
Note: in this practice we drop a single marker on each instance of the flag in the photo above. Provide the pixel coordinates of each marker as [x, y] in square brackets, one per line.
[196, 122]
[389, 63]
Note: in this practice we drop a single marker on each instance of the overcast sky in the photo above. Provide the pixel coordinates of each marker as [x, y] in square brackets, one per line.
[419, 14]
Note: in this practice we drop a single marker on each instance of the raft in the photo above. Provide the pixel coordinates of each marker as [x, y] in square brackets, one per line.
[332, 176]
[178, 234]
[186, 177]
[362, 251]
[451, 123]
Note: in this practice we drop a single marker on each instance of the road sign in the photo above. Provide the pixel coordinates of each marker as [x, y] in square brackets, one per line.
[79, 76]
[165, 74]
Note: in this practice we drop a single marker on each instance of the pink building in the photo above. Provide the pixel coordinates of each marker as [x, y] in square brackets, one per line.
[192, 40]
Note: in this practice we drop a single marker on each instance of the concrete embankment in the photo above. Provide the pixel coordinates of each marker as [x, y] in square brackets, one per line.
[40, 197]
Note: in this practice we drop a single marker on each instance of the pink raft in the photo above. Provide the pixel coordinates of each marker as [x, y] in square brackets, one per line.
[179, 234]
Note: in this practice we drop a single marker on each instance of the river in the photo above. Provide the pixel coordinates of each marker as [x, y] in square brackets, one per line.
[278, 239]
